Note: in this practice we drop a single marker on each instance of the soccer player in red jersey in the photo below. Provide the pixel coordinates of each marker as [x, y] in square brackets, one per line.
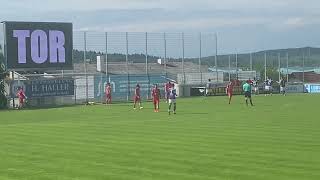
[156, 97]
[137, 97]
[21, 95]
[229, 91]
[167, 89]
[108, 93]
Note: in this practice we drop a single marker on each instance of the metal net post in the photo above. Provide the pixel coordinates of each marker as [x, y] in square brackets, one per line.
[146, 52]
[147, 66]
[216, 57]
[279, 65]
[287, 59]
[127, 66]
[309, 63]
[229, 63]
[265, 66]
[251, 68]
[182, 61]
[303, 69]
[85, 64]
[237, 74]
[107, 64]
[200, 55]
[165, 54]
[106, 54]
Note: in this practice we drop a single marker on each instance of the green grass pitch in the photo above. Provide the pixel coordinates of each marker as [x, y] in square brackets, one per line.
[279, 138]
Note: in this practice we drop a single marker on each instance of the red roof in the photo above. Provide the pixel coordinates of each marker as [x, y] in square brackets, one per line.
[310, 77]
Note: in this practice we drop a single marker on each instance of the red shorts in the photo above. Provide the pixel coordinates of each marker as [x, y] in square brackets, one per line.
[21, 100]
[108, 96]
[156, 101]
[230, 94]
[137, 98]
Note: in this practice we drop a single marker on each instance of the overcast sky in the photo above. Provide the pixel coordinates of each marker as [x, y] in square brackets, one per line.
[242, 25]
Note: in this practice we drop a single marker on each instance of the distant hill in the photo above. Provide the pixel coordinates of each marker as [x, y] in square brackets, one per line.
[295, 58]
[92, 55]
[311, 56]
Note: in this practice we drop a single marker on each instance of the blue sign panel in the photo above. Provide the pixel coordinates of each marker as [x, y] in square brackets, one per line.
[50, 87]
[312, 88]
[123, 86]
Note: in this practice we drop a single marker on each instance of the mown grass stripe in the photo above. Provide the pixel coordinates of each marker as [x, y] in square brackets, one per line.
[206, 140]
